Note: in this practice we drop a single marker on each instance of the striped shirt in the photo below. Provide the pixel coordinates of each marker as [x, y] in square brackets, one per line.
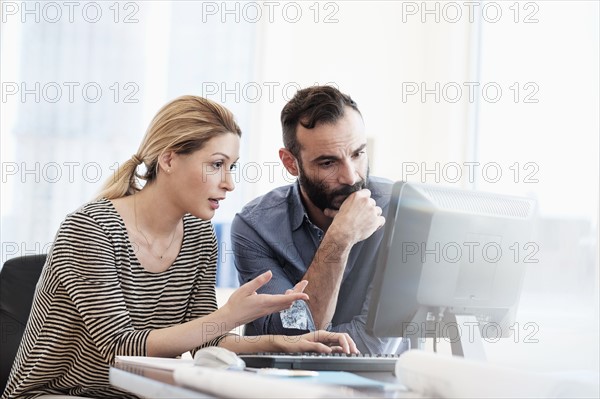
[95, 301]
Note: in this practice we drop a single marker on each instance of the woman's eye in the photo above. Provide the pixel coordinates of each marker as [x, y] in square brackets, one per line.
[218, 164]
[233, 166]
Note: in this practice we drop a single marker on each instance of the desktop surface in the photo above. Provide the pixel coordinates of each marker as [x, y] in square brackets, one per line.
[150, 382]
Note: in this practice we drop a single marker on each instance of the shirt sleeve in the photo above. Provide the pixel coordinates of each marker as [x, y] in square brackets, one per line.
[204, 298]
[365, 342]
[83, 259]
[252, 257]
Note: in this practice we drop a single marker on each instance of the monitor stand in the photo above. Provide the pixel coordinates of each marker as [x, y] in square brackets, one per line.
[468, 342]
[462, 331]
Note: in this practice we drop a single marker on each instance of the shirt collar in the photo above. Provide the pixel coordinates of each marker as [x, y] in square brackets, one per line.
[298, 213]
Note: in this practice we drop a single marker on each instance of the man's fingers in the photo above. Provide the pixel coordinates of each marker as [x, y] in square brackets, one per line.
[365, 192]
[330, 213]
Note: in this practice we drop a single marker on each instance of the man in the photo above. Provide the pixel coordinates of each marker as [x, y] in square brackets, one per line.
[325, 228]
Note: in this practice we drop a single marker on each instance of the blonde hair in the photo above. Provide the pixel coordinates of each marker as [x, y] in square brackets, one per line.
[184, 125]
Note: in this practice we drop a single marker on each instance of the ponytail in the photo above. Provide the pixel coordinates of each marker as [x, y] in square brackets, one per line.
[124, 181]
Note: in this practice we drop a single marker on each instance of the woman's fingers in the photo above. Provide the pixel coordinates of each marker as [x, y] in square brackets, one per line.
[300, 286]
[263, 304]
[316, 347]
[297, 288]
[251, 286]
[280, 302]
[341, 340]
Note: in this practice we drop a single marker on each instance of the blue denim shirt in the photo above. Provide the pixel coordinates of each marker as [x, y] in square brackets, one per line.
[273, 232]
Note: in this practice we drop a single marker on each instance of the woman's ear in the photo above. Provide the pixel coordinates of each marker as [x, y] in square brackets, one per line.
[289, 161]
[165, 161]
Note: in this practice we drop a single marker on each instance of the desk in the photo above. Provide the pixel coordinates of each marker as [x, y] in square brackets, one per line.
[149, 382]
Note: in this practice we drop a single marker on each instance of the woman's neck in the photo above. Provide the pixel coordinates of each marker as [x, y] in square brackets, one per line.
[154, 212]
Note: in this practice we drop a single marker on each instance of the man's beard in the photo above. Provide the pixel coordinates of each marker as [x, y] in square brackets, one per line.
[323, 199]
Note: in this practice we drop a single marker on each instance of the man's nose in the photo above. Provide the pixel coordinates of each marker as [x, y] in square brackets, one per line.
[347, 174]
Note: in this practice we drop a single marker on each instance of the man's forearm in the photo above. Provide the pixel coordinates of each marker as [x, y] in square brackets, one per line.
[324, 277]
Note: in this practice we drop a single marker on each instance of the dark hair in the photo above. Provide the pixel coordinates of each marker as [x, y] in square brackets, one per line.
[310, 107]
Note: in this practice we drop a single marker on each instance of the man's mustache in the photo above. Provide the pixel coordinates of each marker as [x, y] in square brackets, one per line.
[347, 190]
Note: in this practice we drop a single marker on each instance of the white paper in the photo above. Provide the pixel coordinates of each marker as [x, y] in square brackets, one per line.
[240, 384]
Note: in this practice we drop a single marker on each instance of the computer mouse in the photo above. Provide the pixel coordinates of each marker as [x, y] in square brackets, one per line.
[219, 358]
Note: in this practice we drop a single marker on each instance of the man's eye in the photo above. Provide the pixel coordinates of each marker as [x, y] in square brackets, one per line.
[359, 154]
[326, 164]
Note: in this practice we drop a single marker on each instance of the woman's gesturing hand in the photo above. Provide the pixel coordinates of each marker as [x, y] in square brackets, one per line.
[245, 305]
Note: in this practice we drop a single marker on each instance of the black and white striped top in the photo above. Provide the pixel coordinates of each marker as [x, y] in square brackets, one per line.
[95, 301]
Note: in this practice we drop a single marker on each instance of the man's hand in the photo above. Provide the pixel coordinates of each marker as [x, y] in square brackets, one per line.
[358, 218]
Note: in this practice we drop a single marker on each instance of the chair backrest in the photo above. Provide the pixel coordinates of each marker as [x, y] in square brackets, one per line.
[18, 279]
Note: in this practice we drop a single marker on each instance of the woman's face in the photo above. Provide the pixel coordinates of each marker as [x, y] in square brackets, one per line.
[200, 180]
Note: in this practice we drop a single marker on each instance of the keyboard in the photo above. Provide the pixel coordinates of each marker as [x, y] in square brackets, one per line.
[321, 362]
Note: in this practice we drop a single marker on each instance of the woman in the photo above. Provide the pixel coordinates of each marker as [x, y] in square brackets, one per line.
[133, 272]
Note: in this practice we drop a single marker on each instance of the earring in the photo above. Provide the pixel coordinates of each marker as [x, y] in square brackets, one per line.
[168, 170]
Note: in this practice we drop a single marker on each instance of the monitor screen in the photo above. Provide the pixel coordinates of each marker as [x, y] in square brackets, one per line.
[451, 264]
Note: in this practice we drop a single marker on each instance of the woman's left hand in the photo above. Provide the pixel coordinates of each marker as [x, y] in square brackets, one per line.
[318, 341]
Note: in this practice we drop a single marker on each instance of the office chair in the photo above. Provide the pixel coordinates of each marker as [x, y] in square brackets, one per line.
[18, 279]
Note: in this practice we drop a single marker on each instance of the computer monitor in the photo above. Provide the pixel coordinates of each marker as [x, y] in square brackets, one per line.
[451, 265]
